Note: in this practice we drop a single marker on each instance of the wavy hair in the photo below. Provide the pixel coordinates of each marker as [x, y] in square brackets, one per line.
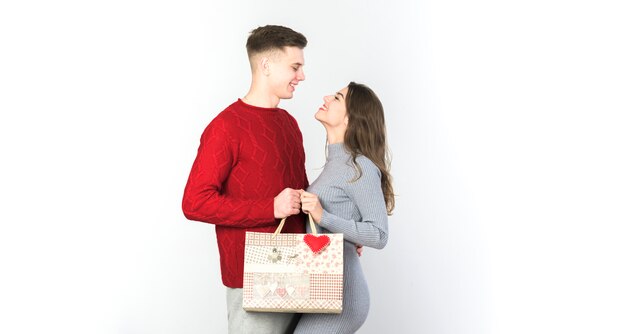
[366, 135]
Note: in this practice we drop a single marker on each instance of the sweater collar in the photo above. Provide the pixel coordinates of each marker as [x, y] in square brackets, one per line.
[337, 150]
[249, 106]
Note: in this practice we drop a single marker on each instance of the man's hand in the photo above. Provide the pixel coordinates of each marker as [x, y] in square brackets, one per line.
[287, 203]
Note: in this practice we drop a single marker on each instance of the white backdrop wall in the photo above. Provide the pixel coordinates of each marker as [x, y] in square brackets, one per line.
[505, 120]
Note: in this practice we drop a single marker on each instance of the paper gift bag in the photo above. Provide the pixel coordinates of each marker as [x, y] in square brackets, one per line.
[292, 272]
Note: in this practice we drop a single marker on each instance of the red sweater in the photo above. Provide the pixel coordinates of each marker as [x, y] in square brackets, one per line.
[247, 155]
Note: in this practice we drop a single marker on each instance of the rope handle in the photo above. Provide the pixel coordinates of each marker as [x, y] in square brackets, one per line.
[282, 222]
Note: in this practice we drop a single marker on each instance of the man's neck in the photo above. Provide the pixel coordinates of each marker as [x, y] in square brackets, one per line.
[258, 98]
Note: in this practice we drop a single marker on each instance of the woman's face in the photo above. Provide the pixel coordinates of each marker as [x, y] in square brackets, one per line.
[332, 114]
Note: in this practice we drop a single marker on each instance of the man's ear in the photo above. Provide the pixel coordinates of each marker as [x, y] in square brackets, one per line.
[265, 65]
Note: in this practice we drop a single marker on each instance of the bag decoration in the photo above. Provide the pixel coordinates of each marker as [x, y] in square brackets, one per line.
[316, 243]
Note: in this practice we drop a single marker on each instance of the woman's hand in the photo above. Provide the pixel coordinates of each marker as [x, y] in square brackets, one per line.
[359, 249]
[311, 204]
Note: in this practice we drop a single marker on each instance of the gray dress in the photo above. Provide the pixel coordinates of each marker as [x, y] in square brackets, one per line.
[356, 209]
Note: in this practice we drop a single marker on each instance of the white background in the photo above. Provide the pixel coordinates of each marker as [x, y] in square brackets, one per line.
[505, 120]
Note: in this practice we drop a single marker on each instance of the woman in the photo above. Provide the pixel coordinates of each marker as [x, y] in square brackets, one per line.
[353, 195]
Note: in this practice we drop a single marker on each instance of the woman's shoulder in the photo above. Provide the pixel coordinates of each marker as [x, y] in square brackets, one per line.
[368, 167]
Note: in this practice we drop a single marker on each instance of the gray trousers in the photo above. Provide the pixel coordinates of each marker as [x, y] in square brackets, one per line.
[244, 322]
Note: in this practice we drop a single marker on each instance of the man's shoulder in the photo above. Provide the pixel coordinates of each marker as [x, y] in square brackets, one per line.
[287, 114]
[229, 111]
[289, 119]
[222, 122]
[227, 115]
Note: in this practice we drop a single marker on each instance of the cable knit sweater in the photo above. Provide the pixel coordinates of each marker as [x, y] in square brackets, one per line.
[247, 155]
[357, 209]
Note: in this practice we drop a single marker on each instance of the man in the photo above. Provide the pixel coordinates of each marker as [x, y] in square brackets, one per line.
[249, 171]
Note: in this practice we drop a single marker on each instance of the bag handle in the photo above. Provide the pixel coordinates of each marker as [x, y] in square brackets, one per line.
[282, 222]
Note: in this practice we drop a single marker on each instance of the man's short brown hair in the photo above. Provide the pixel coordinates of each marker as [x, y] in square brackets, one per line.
[272, 37]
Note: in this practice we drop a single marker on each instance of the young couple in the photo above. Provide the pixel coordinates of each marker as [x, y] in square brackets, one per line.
[249, 173]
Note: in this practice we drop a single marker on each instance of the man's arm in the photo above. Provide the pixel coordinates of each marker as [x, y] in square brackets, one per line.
[203, 199]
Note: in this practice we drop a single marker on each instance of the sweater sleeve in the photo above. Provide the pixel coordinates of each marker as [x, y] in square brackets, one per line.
[367, 195]
[204, 200]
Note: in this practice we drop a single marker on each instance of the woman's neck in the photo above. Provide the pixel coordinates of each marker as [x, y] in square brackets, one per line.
[335, 137]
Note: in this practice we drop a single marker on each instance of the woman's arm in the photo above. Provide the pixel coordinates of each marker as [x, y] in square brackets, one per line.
[367, 195]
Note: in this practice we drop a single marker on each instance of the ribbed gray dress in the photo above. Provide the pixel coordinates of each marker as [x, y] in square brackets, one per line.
[356, 209]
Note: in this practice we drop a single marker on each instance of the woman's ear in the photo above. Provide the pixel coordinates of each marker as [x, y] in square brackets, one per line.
[345, 120]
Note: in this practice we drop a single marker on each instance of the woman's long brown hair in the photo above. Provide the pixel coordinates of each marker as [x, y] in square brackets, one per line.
[367, 135]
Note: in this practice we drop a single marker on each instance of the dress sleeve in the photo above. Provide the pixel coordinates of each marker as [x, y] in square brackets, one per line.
[203, 199]
[367, 195]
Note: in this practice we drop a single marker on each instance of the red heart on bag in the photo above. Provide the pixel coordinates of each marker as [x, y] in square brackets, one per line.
[316, 243]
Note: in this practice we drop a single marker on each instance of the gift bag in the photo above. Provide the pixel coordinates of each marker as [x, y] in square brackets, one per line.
[291, 272]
